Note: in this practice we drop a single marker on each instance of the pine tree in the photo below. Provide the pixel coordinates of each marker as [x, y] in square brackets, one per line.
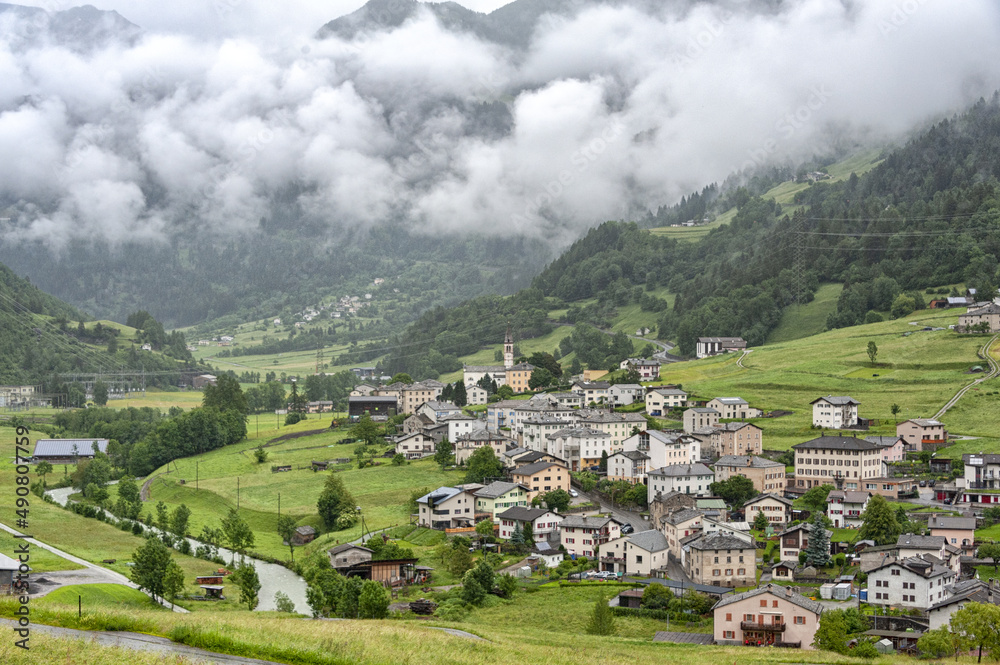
[460, 396]
[517, 537]
[818, 548]
[602, 622]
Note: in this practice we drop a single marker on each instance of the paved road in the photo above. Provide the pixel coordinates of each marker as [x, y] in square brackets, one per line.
[623, 516]
[142, 642]
[273, 577]
[98, 574]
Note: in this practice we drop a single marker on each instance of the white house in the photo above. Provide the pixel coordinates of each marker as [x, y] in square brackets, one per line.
[832, 412]
[623, 394]
[844, 507]
[544, 523]
[661, 400]
[664, 448]
[734, 408]
[684, 478]
[916, 582]
[635, 554]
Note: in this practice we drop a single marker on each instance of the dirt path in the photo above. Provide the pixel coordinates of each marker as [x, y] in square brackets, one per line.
[994, 371]
[746, 352]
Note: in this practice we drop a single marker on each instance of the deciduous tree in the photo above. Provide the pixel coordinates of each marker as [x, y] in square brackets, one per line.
[979, 623]
[879, 522]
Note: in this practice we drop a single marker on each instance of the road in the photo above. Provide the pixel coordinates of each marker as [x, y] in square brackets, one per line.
[994, 371]
[623, 516]
[143, 642]
[273, 577]
[97, 574]
[746, 352]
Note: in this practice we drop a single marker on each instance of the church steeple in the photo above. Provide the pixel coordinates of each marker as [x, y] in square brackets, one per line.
[508, 349]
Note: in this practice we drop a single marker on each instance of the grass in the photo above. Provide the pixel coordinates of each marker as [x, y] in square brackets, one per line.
[800, 321]
[95, 596]
[41, 561]
[920, 372]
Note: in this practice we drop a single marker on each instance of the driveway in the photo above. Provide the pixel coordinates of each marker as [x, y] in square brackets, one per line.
[623, 516]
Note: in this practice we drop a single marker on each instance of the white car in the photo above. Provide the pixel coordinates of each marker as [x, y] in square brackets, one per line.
[574, 493]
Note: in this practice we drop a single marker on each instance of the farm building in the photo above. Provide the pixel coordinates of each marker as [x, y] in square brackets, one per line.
[378, 407]
[67, 451]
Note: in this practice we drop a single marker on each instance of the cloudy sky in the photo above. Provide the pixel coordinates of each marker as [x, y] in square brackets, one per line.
[225, 106]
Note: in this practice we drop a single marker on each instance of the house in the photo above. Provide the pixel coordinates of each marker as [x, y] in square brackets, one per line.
[437, 410]
[512, 455]
[379, 407]
[922, 433]
[623, 394]
[519, 377]
[713, 346]
[844, 507]
[769, 614]
[8, 573]
[699, 418]
[766, 475]
[735, 439]
[583, 536]
[783, 571]
[581, 447]
[618, 426]
[347, 555]
[67, 451]
[662, 504]
[661, 400]
[664, 448]
[362, 390]
[915, 582]
[203, 380]
[961, 594]
[498, 496]
[912, 545]
[775, 507]
[648, 369]
[569, 400]
[739, 530]
[541, 477]
[982, 478]
[795, 539]
[320, 406]
[446, 508]
[638, 553]
[415, 445]
[592, 392]
[544, 523]
[679, 524]
[720, 560]
[628, 465]
[16, 396]
[417, 423]
[687, 478]
[411, 397]
[733, 408]
[466, 444]
[835, 412]
[534, 456]
[821, 460]
[473, 374]
[987, 316]
[893, 447]
[303, 535]
[547, 552]
[891, 488]
[957, 531]
[460, 424]
[474, 395]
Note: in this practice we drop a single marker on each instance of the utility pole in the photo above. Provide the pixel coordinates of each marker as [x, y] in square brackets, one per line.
[237, 492]
[196, 463]
[279, 504]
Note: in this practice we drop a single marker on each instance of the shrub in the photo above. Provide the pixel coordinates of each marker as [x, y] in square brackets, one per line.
[865, 649]
[293, 418]
[283, 602]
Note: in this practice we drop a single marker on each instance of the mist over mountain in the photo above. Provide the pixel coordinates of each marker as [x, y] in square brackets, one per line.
[128, 151]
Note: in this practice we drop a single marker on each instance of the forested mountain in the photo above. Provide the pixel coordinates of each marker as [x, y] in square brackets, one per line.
[927, 216]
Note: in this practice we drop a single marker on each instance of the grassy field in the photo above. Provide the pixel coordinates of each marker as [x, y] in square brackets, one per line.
[800, 321]
[42, 561]
[543, 627]
[96, 596]
[920, 372]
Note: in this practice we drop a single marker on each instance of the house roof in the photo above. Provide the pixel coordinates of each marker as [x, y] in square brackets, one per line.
[305, 531]
[836, 401]
[523, 367]
[532, 469]
[6, 563]
[522, 514]
[387, 399]
[924, 422]
[838, 443]
[682, 470]
[632, 455]
[440, 494]
[482, 435]
[496, 489]
[682, 515]
[912, 541]
[593, 385]
[720, 339]
[627, 386]
[720, 541]
[535, 456]
[64, 447]
[668, 391]
[709, 503]
[780, 592]
[923, 566]
[849, 496]
[949, 522]
[578, 432]
[730, 400]
[884, 441]
[491, 369]
[702, 409]
[991, 308]
[348, 546]
[651, 540]
[583, 522]
[807, 526]
[744, 461]
[733, 427]
[774, 497]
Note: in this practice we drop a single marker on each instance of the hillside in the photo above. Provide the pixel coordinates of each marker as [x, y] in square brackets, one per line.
[891, 227]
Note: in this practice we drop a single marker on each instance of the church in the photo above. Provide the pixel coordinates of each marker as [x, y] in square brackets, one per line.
[473, 373]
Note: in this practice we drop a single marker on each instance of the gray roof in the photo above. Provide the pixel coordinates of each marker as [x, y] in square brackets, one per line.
[761, 497]
[884, 441]
[523, 367]
[576, 432]
[849, 496]
[440, 494]
[733, 427]
[948, 522]
[743, 461]
[535, 467]
[522, 514]
[628, 386]
[582, 522]
[372, 398]
[730, 400]
[682, 515]
[492, 369]
[64, 447]
[912, 541]
[836, 401]
[482, 435]
[925, 422]
[720, 339]
[992, 308]
[780, 592]
[534, 456]
[702, 409]
[498, 488]
[651, 540]
[682, 470]
[632, 454]
[347, 546]
[668, 391]
[305, 531]
[593, 385]
[720, 541]
[925, 567]
[838, 443]
[608, 417]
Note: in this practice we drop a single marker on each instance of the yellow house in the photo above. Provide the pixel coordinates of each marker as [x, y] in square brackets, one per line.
[518, 377]
[498, 496]
[542, 477]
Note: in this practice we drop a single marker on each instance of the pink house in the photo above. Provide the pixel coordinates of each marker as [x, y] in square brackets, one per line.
[768, 615]
[893, 447]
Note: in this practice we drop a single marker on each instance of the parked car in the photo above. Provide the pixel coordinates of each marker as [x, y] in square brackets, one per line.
[627, 529]
[923, 483]
[932, 482]
[573, 493]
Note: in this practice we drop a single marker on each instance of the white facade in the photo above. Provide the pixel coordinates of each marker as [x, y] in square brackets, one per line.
[909, 583]
[663, 448]
[661, 400]
[686, 479]
[835, 412]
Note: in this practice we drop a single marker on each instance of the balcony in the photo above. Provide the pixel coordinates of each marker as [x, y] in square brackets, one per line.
[762, 627]
[613, 559]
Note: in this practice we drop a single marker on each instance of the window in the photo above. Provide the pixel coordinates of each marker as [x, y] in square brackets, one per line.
[748, 617]
[728, 634]
[715, 572]
[774, 603]
[729, 617]
[895, 571]
[763, 603]
[742, 571]
[800, 621]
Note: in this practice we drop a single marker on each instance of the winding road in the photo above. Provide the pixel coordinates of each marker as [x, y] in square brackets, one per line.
[994, 372]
